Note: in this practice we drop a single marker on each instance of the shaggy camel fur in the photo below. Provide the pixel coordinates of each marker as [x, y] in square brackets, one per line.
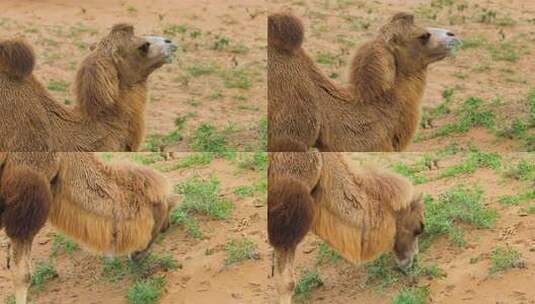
[378, 111]
[110, 86]
[110, 209]
[361, 214]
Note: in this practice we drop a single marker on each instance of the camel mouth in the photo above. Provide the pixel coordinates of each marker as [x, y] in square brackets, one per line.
[447, 41]
[161, 51]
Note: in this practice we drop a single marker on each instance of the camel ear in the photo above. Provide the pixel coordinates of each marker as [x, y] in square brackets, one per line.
[123, 28]
[97, 85]
[394, 29]
[417, 201]
[373, 71]
[405, 18]
[93, 46]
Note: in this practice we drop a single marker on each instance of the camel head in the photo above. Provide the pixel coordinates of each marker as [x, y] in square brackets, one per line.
[409, 226]
[134, 57]
[415, 47]
[161, 214]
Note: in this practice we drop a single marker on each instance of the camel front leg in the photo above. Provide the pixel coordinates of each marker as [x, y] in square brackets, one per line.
[284, 274]
[21, 268]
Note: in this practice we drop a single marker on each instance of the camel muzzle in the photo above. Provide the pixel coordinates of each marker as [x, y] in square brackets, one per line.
[161, 48]
[446, 37]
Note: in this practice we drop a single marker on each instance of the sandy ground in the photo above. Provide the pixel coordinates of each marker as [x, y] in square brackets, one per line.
[496, 65]
[228, 37]
[202, 277]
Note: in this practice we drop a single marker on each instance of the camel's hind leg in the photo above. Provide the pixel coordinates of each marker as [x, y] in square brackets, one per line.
[284, 274]
[21, 268]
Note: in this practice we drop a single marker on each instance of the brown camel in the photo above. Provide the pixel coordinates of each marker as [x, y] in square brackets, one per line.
[361, 215]
[110, 86]
[378, 111]
[110, 209]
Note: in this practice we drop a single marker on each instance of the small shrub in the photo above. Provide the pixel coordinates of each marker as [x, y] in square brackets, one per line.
[503, 259]
[146, 291]
[308, 281]
[238, 250]
[414, 295]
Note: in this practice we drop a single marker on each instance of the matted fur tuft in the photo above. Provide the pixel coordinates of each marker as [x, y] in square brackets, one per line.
[17, 58]
[290, 212]
[285, 31]
[97, 85]
[26, 198]
[387, 187]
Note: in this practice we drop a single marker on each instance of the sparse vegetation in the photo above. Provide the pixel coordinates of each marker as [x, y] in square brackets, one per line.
[414, 295]
[44, 271]
[146, 291]
[238, 250]
[308, 281]
[326, 254]
[503, 259]
[472, 114]
[476, 159]
[61, 243]
[444, 215]
[200, 196]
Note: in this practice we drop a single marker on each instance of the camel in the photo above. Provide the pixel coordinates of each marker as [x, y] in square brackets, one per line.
[110, 88]
[378, 111]
[361, 215]
[111, 209]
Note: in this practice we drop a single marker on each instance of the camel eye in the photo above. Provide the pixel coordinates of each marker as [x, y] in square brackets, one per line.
[144, 48]
[419, 230]
[424, 38]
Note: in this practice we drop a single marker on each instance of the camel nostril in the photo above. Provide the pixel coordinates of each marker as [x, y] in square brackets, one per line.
[450, 34]
[168, 41]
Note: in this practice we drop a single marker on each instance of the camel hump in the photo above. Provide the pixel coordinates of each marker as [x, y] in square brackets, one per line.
[285, 31]
[25, 199]
[17, 58]
[290, 212]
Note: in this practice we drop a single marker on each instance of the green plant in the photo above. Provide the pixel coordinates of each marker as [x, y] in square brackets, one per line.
[146, 291]
[57, 85]
[308, 281]
[517, 199]
[60, 242]
[112, 269]
[257, 161]
[258, 187]
[183, 218]
[453, 207]
[202, 196]
[10, 300]
[476, 159]
[44, 271]
[411, 172]
[199, 196]
[195, 159]
[238, 250]
[207, 139]
[524, 170]
[326, 254]
[263, 131]
[472, 114]
[503, 259]
[531, 106]
[236, 78]
[413, 295]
